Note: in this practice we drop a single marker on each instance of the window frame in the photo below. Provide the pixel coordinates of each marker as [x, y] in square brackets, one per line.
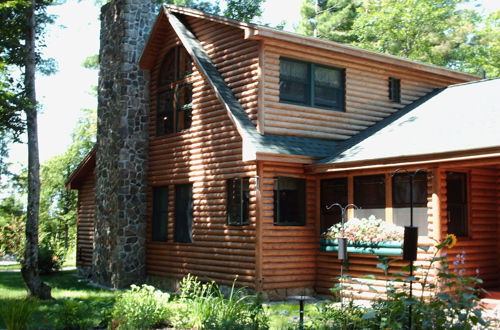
[242, 203]
[309, 100]
[395, 89]
[180, 79]
[302, 205]
[159, 216]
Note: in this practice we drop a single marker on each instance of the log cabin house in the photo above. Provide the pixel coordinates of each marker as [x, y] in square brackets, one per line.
[253, 131]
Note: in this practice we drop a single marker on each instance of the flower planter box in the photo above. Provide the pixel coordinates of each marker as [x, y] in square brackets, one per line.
[383, 248]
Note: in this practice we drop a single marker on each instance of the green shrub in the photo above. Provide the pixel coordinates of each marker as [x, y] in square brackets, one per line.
[204, 306]
[48, 260]
[141, 308]
[16, 314]
[74, 315]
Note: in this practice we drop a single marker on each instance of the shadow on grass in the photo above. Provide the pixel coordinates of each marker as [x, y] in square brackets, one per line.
[65, 285]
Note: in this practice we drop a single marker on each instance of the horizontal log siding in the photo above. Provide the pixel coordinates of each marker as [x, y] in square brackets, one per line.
[288, 252]
[481, 247]
[235, 58]
[366, 99]
[85, 226]
[329, 267]
[205, 155]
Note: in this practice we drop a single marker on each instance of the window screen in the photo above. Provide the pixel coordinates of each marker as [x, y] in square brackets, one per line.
[332, 191]
[160, 214]
[289, 201]
[238, 197]
[183, 213]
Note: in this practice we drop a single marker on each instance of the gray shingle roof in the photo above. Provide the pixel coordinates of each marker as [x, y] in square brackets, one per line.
[460, 117]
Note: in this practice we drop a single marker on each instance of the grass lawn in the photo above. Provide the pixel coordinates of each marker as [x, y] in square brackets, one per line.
[64, 285]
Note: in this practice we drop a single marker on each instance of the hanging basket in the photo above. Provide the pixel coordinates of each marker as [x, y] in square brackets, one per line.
[383, 248]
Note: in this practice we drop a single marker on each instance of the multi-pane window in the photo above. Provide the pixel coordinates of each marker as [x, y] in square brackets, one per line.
[369, 195]
[401, 201]
[456, 199]
[395, 89]
[160, 214]
[332, 191]
[311, 84]
[183, 213]
[238, 197]
[289, 201]
[175, 92]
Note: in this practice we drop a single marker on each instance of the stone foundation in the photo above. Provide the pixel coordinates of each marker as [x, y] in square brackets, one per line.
[122, 145]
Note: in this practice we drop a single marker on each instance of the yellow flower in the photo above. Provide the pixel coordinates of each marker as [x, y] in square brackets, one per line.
[450, 241]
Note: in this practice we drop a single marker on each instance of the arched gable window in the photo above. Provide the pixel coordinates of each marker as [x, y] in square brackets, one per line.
[175, 91]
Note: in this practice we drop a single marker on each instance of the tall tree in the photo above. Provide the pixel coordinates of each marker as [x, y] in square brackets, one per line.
[425, 30]
[440, 32]
[243, 10]
[21, 25]
[29, 268]
[329, 19]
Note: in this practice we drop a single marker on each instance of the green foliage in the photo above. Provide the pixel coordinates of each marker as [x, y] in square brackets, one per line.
[75, 314]
[243, 10]
[17, 313]
[433, 31]
[141, 308]
[12, 240]
[204, 306]
[332, 19]
[48, 260]
[57, 204]
[209, 7]
[91, 62]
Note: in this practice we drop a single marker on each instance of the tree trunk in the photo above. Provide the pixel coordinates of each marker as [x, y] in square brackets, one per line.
[29, 270]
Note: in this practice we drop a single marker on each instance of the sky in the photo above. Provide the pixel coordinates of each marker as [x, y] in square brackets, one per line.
[75, 36]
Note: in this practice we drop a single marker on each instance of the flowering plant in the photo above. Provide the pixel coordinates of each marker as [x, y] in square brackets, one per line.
[371, 231]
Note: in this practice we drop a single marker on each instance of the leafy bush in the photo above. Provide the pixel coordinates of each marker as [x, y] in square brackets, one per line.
[12, 237]
[48, 260]
[141, 308]
[74, 315]
[204, 306]
[17, 313]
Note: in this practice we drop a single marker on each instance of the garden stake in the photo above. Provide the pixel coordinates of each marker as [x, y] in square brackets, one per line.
[410, 238]
[342, 253]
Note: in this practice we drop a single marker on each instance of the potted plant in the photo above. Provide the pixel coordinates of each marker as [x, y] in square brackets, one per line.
[372, 236]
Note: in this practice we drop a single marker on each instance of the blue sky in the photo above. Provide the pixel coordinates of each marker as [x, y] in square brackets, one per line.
[73, 37]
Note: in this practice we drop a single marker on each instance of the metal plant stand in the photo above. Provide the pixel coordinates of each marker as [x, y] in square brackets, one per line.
[342, 253]
[410, 237]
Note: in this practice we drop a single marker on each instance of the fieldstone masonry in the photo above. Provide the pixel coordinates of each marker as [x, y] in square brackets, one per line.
[122, 143]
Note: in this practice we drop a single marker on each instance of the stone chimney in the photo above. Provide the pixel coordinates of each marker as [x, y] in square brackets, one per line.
[122, 144]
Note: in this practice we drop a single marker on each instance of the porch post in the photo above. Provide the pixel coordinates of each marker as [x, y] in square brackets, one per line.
[437, 228]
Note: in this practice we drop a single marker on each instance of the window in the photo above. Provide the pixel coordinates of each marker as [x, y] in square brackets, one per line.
[395, 90]
[332, 191]
[183, 213]
[289, 201]
[401, 201]
[238, 197]
[160, 214]
[456, 196]
[311, 84]
[369, 195]
[175, 91]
